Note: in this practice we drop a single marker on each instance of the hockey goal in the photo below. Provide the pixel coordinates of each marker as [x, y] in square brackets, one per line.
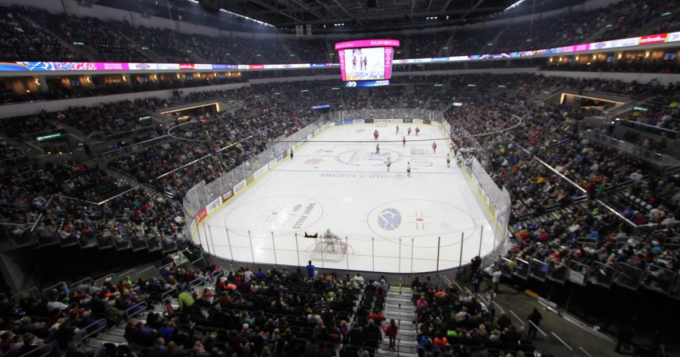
[381, 124]
[329, 249]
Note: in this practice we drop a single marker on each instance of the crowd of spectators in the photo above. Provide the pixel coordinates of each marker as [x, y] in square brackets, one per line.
[23, 40]
[456, 323]
[619, 20]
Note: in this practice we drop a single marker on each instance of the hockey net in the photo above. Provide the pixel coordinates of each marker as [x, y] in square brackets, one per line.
[329, 249]
[381, 124]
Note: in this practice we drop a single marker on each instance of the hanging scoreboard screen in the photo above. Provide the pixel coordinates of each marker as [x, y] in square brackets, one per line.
[366, 60]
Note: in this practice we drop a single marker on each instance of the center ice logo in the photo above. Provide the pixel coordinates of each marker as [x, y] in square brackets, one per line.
[389, 219]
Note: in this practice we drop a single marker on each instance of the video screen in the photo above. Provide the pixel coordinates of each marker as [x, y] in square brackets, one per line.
[363, 64]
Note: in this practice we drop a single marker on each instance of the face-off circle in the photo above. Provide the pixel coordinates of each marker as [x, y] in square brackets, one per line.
[413, 218]
[283, 214]
[364, 157]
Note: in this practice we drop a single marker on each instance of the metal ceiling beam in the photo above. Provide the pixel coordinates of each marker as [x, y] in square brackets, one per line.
[399, 15]
[310, 11]
[278, 11]
[472, 8]
[445, 6]
[327, 8]
[347, 12]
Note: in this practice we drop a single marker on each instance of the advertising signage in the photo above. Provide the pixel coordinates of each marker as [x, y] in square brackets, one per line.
[654, 39]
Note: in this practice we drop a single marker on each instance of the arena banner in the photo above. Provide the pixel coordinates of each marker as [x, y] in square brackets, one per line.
[213, 205]
[142, 66]
[673, 37]
[260, 172]
[186, 66]
[201, 215]
[407, 121]
[243, 66]
[427, 121]
[256, 66]
[369, 121]
[279, 158]
[227, 195]
[338, 122]
[272, 163]
[250, 179]
[203, 66]
[417, 121]
[358, 121]
[111, 66]
[653, 39]
[348, 121]
[168, 66]
[239, 186]
[626, 42]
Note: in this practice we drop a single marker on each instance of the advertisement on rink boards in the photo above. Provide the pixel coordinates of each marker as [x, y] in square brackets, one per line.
[227, 195]
[213, 205]
[239, 186]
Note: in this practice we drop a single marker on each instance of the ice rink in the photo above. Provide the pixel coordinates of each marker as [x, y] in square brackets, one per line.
[386, 221]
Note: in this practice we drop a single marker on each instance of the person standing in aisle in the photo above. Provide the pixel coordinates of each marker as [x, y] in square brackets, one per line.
[495, 279]
[535, 317]
[391, 332]
[408, 169]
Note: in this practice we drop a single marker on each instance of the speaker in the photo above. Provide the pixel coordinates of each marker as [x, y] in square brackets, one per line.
[371, 3]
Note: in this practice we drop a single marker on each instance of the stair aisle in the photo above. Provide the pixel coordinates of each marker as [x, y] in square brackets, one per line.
[398, 306]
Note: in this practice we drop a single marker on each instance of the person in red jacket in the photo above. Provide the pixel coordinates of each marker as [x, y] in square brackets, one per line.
[391, 333]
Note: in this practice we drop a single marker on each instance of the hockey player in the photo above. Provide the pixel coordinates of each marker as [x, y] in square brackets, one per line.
[409, 131]
[397, 130]
[377, 148]
[404, 141]
[448, 161]
[389, 163]
[408, 169]
[417, 130]
[376, 134]
[434, 147]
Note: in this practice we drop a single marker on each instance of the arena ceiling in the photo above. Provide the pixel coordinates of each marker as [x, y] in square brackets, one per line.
[360, 13]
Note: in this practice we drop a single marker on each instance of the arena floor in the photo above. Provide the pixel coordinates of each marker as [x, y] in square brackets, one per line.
[335, 184]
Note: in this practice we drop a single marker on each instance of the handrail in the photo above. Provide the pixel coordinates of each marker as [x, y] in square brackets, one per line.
[196, 282]
[101, 280]
[561, 341]
[82, 281]
[584, 352]
[127, 149]
[49, 351]
[168, 293]
[129, 315]
[132, 272]
[118, 195]
[12, 299]
[616, 213]
[517, 317]
[89, 333]
[45, 292]
[151, 268]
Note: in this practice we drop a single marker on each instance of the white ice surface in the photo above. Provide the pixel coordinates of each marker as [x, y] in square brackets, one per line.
[339, 184]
